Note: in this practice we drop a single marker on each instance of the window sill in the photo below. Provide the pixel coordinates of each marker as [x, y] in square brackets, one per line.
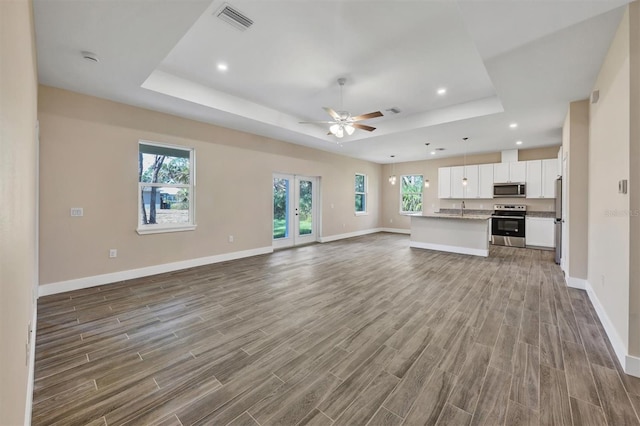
[162, 230]
[361, 213]
[410, 213]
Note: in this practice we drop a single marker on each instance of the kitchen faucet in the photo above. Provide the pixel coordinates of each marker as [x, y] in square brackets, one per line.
[462, 209]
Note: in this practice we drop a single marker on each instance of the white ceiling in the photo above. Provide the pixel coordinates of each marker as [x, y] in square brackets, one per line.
[501, 62]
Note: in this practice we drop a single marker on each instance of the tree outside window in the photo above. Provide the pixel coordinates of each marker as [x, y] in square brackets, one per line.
[361, 193]
[411, 194]
[165, 187]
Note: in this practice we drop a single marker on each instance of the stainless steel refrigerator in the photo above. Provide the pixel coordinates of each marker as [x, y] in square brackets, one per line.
[558, 219]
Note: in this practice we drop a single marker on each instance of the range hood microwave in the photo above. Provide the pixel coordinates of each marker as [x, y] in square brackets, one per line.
[509, 190]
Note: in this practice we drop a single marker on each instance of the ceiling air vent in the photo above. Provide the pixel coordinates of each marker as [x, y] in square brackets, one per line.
[394, 110]
[233, 17]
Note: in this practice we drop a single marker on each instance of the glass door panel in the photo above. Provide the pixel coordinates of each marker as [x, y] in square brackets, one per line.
[294, 210]
[281, 211]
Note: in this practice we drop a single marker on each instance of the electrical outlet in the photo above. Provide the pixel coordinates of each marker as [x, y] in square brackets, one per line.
[230, 238]
[481, 206]
[344, 225]
[77, 212]
[390, 220]
[113, 253]
[331, 205]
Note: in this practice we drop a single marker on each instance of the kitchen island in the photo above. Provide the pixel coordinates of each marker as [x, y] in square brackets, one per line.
[454, 233]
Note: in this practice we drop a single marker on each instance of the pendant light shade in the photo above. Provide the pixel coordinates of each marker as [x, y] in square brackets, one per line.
[392, 178]
[349, 129]
[334, 129]
[426, 183]
[464, 181]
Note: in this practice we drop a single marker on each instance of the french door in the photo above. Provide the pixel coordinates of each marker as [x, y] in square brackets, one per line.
[294, 210]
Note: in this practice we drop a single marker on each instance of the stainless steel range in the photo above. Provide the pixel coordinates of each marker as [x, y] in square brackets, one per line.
[508, 225]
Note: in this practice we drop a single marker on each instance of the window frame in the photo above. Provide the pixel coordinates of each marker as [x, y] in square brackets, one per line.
[403, 193]
[364, 194]
[143, 229]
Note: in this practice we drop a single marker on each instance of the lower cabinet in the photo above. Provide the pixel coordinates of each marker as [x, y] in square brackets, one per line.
[540, 232]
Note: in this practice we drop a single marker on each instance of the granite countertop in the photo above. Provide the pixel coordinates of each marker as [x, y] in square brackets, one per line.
[451, 215]
[551, 215]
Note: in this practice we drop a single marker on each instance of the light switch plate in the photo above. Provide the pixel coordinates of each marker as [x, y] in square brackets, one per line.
[622, 186]
[77, 212]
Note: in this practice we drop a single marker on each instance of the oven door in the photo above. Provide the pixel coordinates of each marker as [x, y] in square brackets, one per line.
[508, 226]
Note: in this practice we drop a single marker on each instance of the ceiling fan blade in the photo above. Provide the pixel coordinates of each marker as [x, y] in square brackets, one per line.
[314, 122]
[363, 127]
[367, 116]
[332, 113]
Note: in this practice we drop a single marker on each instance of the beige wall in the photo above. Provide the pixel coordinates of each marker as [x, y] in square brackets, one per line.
[634, 181]
[575, 148]
[391, 217]
[18, 269]
[89, 159]
[609, 121]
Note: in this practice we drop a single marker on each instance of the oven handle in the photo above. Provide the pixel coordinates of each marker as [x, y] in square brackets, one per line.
[508, 217]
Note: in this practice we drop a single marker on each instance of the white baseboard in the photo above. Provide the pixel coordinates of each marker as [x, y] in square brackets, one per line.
[450, 249]
[397, 230]
[631, 365]
[578, 283]
[32, 364]
[114, 277]
[337, 237]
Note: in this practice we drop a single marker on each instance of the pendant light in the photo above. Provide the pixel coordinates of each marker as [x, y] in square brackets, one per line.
[392, 177]
[426, 181]
[464, 170]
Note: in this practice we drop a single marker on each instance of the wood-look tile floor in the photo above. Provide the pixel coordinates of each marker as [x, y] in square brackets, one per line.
[355, 332]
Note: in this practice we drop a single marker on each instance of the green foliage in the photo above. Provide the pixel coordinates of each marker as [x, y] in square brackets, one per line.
[411, 191]
[360, 203]
[176, 170]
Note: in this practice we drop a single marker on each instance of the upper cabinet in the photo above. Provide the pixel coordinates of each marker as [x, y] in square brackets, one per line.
[457, 190]
[471, 188]
[509, 172]
[485, 181]
[444, 182]
[479, 181]
[541, 177]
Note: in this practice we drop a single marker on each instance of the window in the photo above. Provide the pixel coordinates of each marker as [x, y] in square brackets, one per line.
[361, 193]
[165, 188]
[411, 194]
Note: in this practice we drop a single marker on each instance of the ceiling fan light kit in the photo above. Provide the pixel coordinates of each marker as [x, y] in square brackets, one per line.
[342, 121]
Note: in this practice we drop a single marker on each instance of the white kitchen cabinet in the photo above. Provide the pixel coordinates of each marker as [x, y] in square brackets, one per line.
[471, 173]
[517, 171]
[539, 232]
[500, 172]
[457, 189]
[534, 179]
[541, 178]
[550, 173]
[510, 172]
[485, 181]
[444, 182]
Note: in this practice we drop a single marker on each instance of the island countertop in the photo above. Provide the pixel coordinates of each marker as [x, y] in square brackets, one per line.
[466, 216]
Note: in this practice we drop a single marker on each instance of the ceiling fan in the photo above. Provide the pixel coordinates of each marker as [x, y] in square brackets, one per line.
[343, 122]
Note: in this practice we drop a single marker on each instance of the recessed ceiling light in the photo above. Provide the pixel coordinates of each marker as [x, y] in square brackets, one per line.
[442, 91]
[222, 67]
[518, 142]
[433, 153]
[513, 125]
